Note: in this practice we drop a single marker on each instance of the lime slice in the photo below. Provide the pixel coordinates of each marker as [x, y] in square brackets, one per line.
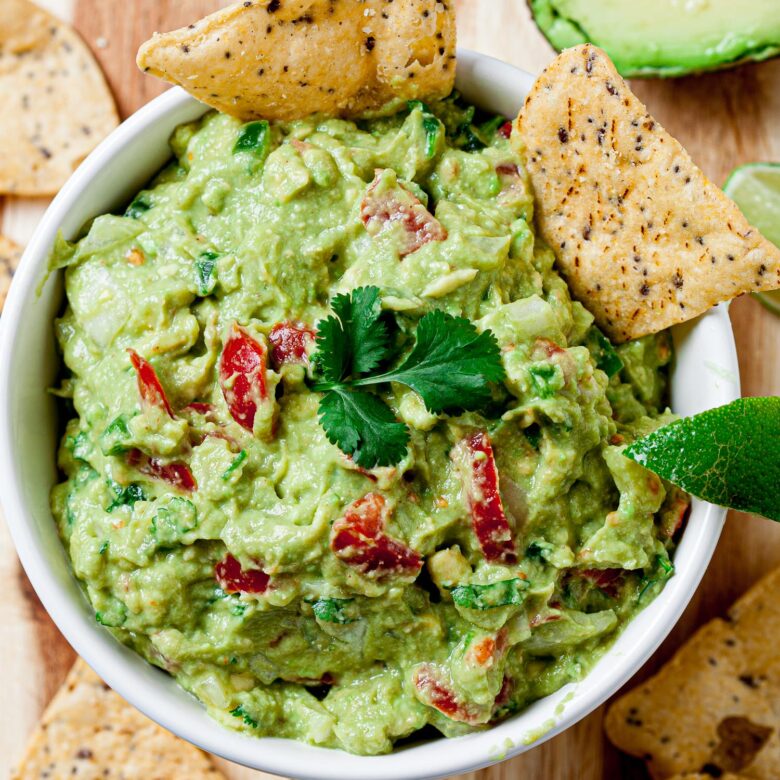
[728, 456]
[755, 188]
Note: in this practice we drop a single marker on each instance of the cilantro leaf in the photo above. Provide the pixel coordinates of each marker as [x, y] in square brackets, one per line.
[363, 426]
[450, 366]
[355, 341]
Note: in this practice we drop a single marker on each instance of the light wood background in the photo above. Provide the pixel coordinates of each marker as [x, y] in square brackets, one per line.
[723, 119]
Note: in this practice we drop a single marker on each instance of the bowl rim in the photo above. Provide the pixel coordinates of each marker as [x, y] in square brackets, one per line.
[142, 685]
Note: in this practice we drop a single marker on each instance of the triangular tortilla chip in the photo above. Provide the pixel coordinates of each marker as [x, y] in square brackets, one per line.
[56, 105]
[713, 708]
[91, 733]
[643, 238]
[285, 59]
[9, 259]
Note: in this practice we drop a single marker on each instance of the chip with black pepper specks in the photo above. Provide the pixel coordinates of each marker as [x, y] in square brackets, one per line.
[56, 106]
[91, 733]
[712, 710]
[9, 259]
[644, 240]
[287, 59]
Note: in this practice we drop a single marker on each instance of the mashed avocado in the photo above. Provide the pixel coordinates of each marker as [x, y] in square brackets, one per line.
[218, 532]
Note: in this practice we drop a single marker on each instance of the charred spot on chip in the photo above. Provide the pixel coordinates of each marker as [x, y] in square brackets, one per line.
[740, 742]
[563, 135]
[273, 6]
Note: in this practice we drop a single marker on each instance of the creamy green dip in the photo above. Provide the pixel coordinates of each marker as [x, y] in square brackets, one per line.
[215, 548]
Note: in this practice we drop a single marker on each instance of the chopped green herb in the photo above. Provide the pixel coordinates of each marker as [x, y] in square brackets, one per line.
[237, 609]
[80, 446]
[205, 272]
[115, 438]
[126, 496]
[138, 207]
[239, 712]
[546, 379]
[468, 139]
[237, 461]
[332, 610]
[604, 354]
[432, 126]
[103, 548]
[254, 137]
[498, 594]
[535, 551]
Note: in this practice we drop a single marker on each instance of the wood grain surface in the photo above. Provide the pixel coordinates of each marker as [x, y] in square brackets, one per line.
[723, 119]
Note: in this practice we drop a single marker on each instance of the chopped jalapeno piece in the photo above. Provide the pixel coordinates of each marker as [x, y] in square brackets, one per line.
[254, 137]
[332, 610]
[498, 594]
[604, 354]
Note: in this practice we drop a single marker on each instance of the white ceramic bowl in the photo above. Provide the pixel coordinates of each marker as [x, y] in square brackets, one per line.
[705, 375]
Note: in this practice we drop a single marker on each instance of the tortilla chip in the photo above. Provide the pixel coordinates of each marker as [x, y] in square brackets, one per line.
[713, 707]
[699, 776]
[9, 259]
[285, 59]
[643, 238]
[90, 732]
[56, 105]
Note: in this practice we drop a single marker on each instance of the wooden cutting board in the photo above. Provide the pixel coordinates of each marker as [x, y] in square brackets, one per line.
[723, 119]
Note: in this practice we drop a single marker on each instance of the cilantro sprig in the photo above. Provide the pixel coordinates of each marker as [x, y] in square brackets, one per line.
[450, 367]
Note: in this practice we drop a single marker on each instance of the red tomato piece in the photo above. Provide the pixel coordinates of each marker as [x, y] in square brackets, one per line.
[177, 475]
[398, 205]
[506, 129]
[431, 690]
[242, 369]
[233, 579]
[149, 385]
[477, 463]
[608, 580]
[291, 343]
[358, 539]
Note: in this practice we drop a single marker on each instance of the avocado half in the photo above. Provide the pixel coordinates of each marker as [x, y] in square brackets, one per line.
[665, 37]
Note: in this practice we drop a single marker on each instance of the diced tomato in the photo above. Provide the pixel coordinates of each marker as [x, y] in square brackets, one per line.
[149, 385]
[358, 539]
[177, 475]
[608, 580]
[291, 343]
[233, 579]
[506, 129]
[431, 690]
[398, 205]
[242, 369]
[474, 455]
[509, 170]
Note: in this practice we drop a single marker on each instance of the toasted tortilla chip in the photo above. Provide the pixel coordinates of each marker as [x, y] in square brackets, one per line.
[9, 259]
[285, 59]
[713, 707]
[643, 238]
[56, 105]
[90, 732]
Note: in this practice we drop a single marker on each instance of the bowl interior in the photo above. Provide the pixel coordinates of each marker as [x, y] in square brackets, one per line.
[705, 375]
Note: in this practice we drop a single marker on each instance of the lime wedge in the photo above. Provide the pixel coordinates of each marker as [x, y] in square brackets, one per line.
[728, 456]
[755, 188]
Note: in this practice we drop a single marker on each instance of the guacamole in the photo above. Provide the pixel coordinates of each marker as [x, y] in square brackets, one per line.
[219, 533]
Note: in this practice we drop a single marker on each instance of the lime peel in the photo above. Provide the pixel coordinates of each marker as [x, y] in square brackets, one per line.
[728, 456]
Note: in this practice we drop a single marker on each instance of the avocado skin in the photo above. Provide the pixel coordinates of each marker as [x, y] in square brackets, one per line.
[563, 32]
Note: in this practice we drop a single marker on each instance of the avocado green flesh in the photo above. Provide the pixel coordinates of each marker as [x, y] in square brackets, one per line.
[228, 235]
[664, 37]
